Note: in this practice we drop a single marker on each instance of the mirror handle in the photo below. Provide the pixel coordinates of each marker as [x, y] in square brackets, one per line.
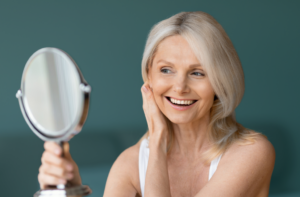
[61, 144]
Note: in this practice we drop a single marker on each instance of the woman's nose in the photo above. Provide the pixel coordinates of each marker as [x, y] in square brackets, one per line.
[181, 86]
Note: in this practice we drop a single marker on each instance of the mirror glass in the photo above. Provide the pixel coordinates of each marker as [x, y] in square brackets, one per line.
[51, 92]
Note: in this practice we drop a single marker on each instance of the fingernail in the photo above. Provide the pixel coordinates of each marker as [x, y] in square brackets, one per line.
[145, 89]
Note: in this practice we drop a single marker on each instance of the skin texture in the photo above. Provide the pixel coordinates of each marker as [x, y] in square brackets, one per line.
[244, 170]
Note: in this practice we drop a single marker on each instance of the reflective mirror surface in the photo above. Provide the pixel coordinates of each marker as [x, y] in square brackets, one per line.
[51, 91]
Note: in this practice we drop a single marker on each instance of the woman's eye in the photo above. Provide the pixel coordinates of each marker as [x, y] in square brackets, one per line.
[198, 74]
[165, 70]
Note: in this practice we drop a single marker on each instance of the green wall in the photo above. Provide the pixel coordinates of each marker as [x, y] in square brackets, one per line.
[106, 39]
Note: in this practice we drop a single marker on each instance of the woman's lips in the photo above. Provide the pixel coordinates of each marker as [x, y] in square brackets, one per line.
[180, 108]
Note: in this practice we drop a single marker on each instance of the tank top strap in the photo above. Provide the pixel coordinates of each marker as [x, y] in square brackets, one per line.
[143, 163]
[213, 166]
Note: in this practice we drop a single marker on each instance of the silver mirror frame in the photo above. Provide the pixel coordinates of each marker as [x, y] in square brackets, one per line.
[81, 116]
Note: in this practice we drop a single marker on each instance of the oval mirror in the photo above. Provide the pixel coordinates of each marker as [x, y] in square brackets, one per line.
[54, 97]
[54, 100]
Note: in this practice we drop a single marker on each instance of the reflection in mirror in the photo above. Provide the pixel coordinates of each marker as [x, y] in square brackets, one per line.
[52, 93]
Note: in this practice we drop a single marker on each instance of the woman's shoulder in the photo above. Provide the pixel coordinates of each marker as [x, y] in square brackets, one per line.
[260, 148]
[129, 159]
[254, 160]
[131, 152]
[125, 171]
[130, 155]
[246, 166]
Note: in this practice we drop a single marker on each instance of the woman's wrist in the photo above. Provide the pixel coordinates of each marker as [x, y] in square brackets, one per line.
[158, 141]
[157, 178]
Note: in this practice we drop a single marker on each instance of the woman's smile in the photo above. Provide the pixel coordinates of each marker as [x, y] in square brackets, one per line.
[180, 104]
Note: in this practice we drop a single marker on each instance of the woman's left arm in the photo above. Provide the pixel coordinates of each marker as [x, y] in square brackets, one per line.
[244, 171]
[157, 178]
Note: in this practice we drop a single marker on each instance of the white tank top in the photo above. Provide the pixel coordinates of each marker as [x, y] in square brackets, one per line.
[143, 163]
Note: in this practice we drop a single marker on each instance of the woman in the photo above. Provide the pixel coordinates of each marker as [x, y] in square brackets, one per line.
[194, 146]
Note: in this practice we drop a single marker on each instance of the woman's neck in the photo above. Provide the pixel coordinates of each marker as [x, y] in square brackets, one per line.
[190, 140]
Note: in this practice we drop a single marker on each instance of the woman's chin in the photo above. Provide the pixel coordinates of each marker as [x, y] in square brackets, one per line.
[180, 120]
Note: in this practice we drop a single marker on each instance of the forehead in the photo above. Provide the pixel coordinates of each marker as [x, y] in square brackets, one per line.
[175, 49]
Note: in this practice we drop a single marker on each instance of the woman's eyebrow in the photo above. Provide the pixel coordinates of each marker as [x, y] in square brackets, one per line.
[171, 64]
[191, 66]
[164, 61]
[195, 65]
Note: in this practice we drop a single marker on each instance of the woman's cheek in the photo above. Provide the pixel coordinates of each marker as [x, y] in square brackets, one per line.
[205, 91]
[160, 85]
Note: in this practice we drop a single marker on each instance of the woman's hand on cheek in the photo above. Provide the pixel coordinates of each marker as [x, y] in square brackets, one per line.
[155, 119]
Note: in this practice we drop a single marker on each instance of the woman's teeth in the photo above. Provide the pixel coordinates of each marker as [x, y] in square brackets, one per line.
[181, 102]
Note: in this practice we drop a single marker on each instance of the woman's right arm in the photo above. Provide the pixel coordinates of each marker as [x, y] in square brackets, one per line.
[56, 169]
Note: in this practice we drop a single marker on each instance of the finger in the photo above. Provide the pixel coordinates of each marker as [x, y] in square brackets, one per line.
[151, 103]
[154, 116]
[53, 148]
[47, 179]
[148, 93]
[50, 158]
[145, 90]
[57, 171]
[145, 103]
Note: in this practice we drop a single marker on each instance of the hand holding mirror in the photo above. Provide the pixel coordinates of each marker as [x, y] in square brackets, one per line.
[54, 100]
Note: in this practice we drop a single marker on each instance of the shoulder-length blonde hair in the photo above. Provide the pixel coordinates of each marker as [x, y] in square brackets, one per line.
[217, 55]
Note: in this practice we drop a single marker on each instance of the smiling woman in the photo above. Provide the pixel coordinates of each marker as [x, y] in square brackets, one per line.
[194, 146]
[193, 83]
[210, 57]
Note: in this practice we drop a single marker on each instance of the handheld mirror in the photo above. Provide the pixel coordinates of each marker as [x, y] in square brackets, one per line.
[54, 100]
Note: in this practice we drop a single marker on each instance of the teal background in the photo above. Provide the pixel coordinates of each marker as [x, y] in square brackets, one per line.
[106, 39]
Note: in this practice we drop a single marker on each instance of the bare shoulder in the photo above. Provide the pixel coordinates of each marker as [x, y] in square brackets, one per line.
[261, 152]
[247, 167]
[124, 174]
[129, 157]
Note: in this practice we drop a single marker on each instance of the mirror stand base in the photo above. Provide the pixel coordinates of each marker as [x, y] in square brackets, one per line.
[75, 191]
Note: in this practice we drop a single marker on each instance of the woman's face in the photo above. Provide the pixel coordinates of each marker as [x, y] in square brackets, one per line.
[179, 83]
